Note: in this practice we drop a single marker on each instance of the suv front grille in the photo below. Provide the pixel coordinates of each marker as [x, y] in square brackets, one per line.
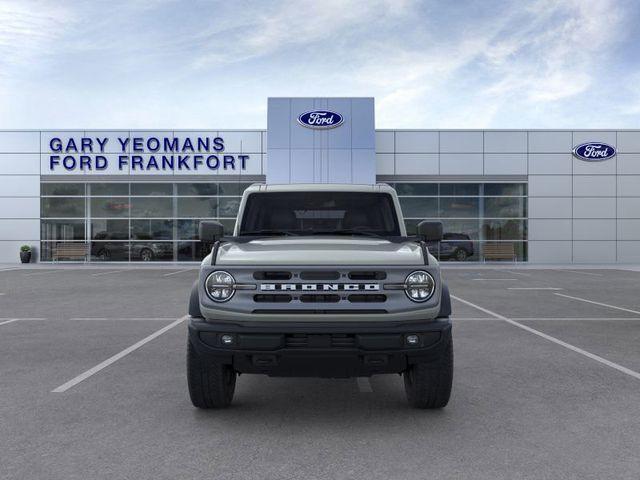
[336, 340]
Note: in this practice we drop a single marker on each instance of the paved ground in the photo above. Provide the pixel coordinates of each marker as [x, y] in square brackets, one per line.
[546, 387]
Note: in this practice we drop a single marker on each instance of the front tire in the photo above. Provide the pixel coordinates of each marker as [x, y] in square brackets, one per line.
[428, 385]
[461, 255]
[210, 385]
[146, 255]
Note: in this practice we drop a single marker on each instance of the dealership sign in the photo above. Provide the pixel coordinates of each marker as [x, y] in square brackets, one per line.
[594, 151]
[320, 119]
[141, 154]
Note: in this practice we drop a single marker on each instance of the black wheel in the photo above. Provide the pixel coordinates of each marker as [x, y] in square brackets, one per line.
[461, 255]
[428, 385]
[104, 255]
[146, 255]
[210, 385]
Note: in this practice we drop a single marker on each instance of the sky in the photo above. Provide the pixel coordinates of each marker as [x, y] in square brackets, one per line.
[429, 64]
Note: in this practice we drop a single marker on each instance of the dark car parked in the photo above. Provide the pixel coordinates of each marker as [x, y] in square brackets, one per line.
[456, 246]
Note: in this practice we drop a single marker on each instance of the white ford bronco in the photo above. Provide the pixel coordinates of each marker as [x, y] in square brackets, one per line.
[320, 280]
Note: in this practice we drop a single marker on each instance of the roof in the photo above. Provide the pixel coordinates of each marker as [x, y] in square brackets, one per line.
[318, 187]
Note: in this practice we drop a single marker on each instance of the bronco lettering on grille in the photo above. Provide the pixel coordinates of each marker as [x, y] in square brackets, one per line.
[314, 287]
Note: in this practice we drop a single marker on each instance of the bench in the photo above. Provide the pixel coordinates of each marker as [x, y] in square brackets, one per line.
[70, 250]
[499, 251]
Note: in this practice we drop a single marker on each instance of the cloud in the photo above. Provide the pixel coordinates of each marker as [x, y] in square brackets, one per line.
[28, 30]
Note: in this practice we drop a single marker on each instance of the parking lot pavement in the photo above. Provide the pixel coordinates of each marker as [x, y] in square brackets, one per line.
[523, 406]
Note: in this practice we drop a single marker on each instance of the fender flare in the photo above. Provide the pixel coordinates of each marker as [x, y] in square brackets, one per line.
[445, 302]
[194, 301]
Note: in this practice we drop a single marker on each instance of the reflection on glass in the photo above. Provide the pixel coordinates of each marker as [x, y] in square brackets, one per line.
[493, 251]
[147, 189]
[62, 229]
[151, 229]
[62, 207]
[469, 228]
[103, 229]
[504, 229]
[426, 189]
[459, 207]
[419, 207]
[151, 251]
[512, 207]
[109, 207]
[105, 251]
[193, 207]
[62, 189]
[188, 229]
[228, 206]
[197, 189]
[503, 189]
[459, 189]
[108, 189]
[455, 247]
[192, 251]
[151, 207]
[232, 188]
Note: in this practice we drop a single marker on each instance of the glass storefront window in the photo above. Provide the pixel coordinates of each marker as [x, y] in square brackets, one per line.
[109, 207]
[195, 207]
[459, 207]
[62, 207]
[422, 189]
[505, 189]
[104, 229]
[151, 229]
[417, 207]
[459, 189]
[65, 230]
[152, 189]
[228, 206]
[147, 207]
[108, 189]
[197, 189]
[510, 207]
[144, 221]
[62, 189]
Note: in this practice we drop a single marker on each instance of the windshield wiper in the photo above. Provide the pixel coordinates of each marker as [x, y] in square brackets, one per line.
[267, 231]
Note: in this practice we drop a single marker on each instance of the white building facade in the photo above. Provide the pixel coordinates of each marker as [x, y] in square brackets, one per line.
[132, 195]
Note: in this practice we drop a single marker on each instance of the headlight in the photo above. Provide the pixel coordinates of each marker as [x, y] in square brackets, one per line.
[419, 286]
[220, 286]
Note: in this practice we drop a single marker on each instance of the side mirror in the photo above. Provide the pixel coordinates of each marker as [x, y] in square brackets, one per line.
[211, 232]
[430, 231]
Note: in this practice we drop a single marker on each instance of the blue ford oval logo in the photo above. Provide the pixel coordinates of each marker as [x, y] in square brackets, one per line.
[594, 151]
[320, 119]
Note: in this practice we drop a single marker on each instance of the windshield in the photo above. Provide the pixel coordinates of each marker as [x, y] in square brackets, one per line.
[332, 213]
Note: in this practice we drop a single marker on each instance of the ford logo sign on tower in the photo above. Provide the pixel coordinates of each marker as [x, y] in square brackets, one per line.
[320, 119]
[594, 151]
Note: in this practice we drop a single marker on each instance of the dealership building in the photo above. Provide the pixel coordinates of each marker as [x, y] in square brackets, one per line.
[537, 196]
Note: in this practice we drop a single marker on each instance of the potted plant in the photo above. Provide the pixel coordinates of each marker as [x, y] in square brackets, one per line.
[25, 253]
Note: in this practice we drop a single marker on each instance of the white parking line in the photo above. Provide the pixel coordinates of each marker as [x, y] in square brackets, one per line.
[573, 348]
[598, 303]
[496, 279]
[92, 371]
[364, 385]
[9, 321]
[92, 319]
[580, 272]
[179, 271]
[106, 273]
[40, 273]
[519, 273]
[534, 288]
[551, 319]
[9, 269]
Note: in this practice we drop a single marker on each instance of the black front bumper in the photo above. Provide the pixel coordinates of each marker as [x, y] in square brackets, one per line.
[306, 349]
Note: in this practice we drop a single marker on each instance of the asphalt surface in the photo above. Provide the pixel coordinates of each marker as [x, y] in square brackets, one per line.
[560, 401]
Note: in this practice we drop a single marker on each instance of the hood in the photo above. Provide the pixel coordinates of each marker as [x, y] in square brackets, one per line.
[320, 251]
